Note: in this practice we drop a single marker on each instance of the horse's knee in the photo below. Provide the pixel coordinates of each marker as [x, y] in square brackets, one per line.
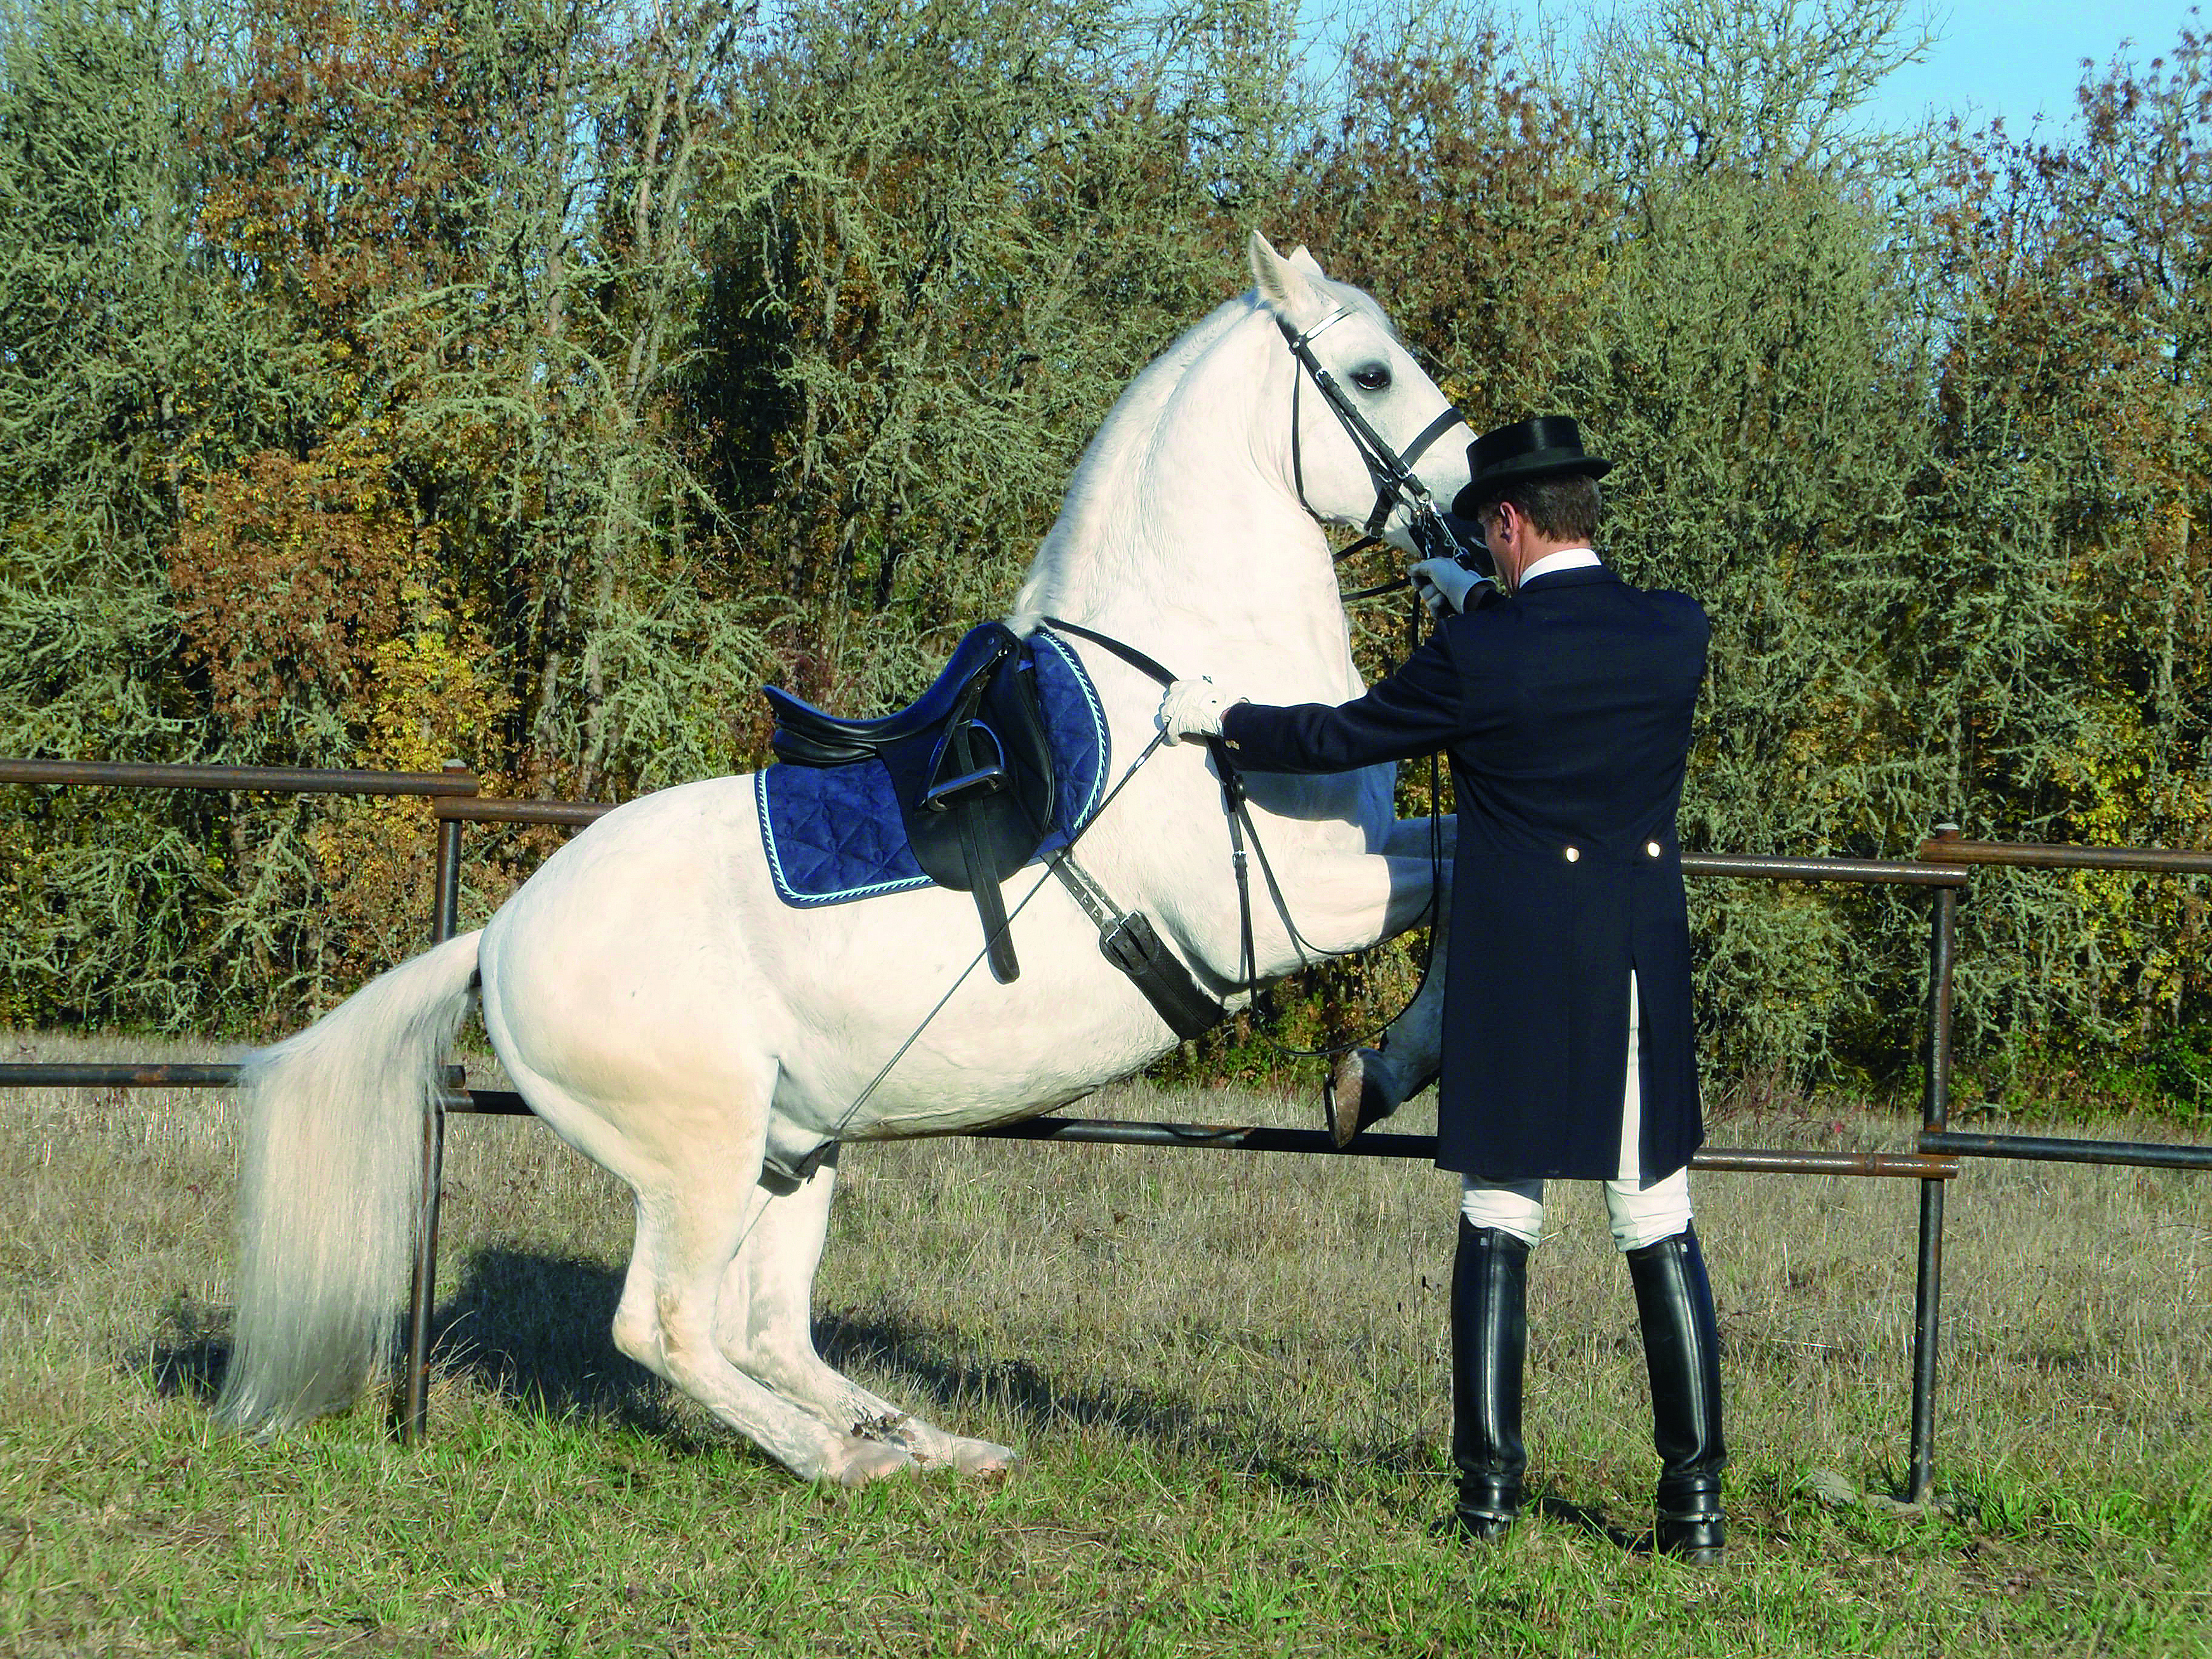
[637, 1332]
[640, 1341]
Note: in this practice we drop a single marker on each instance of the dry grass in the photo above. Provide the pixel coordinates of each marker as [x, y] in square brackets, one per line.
[1227, 1370]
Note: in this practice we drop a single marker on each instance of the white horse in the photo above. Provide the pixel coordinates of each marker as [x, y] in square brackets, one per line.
[672, 1020]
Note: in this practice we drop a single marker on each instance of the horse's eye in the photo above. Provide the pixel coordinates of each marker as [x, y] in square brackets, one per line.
[1375, 377]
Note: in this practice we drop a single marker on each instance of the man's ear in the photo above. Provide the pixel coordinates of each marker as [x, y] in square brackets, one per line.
[1286, 287]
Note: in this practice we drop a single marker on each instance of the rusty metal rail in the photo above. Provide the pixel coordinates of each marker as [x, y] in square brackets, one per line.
[572, 814]
[2049, 1149]
[1731, 1160]
[455, 779]
[124, 1074]
[1765, 866]
[1946, 846]
[1267, 1138]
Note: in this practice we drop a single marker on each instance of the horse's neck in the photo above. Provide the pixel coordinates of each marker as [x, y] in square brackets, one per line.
[1189, 543]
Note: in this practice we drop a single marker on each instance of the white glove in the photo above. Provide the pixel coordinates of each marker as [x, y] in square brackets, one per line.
[1192, 710]
[1444, 586]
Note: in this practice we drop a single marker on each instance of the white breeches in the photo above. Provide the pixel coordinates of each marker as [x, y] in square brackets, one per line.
[1641, 1214]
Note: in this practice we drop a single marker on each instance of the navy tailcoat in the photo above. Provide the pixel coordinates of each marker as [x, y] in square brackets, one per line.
[1567, 712]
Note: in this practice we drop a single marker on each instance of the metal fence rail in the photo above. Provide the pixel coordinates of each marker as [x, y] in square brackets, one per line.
[2049, 1149]
[1947, 847]
[456, 780]
[1943, 867]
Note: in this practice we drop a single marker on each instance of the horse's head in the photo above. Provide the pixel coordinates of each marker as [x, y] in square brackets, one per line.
[1341, 474]
[1198, 476]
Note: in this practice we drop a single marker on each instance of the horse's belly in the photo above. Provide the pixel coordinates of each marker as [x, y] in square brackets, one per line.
[874, 975]
[652, 956]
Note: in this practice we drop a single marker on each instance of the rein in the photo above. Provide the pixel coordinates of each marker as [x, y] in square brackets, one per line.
[1151, 748]
[1241, 830]
[1396, 485]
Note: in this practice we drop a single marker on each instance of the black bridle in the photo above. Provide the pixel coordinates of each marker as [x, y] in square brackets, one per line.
[1396, 483]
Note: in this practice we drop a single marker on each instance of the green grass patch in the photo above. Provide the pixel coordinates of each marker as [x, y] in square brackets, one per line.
[1226, 1373]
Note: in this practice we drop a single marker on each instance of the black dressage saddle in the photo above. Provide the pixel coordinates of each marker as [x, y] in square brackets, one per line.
[970, 762]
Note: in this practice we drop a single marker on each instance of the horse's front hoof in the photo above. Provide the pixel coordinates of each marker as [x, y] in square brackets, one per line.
[863, 1461]
[983, 1460]
[1361, 1089]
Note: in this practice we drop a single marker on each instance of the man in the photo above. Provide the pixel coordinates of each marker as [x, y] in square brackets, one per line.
[1567, 1048]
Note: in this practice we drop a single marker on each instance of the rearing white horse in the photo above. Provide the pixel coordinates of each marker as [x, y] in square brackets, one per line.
[671, 1019]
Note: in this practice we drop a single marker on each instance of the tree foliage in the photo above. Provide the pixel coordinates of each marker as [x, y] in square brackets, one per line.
[387, 380]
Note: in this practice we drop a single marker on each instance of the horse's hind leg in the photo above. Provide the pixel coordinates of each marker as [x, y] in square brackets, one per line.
[690, 1223]
[764, 1327]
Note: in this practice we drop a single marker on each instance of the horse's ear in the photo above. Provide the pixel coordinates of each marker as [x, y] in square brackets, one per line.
[1284, 284]
[1305, 262]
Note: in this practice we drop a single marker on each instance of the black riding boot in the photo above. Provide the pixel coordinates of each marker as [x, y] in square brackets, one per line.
[1674, 1303]
[1490, 1340]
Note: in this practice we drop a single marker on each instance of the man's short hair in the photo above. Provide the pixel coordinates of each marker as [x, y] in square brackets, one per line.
[1564, 507]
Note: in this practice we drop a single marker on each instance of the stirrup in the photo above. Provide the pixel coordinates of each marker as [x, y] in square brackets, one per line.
[987, 779]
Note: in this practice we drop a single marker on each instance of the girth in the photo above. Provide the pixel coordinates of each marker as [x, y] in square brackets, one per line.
[971, 763]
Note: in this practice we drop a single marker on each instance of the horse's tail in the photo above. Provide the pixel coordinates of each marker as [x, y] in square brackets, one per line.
[328, 1190]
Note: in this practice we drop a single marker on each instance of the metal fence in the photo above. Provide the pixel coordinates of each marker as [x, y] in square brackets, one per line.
[1943, 869]
[1946, 847]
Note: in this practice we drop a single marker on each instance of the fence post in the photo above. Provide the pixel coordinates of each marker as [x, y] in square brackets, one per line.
[1934, 1113]
[445, 922]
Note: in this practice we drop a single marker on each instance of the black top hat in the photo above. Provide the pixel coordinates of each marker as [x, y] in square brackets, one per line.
[1543, 446]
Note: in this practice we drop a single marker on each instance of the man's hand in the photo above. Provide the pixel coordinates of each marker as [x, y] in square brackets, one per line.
[1192, 710]
[1444, 586]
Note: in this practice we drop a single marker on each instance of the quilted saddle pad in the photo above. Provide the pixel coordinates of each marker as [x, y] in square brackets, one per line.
[833, 833]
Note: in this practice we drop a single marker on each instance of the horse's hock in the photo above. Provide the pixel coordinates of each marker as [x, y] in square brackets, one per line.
[1943, 868]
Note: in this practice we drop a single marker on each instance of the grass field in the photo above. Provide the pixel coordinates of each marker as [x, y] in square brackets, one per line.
[1226, 1371]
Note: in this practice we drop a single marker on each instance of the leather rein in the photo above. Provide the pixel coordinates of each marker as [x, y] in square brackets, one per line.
[1397, 484]
[1241, 830]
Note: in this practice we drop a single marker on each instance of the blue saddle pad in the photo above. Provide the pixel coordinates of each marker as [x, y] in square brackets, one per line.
[834, 834]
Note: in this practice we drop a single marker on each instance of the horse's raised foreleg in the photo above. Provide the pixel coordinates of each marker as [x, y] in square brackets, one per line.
[763, 1326]
[1373, 1082]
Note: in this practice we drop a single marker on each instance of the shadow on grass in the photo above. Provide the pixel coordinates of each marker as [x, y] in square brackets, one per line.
[537, 1330]
[532, 1329]
[1552, 1507]
[190, 1352]
[937, 1372]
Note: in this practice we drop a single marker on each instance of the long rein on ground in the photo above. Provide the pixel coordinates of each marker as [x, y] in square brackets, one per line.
[1396, 485]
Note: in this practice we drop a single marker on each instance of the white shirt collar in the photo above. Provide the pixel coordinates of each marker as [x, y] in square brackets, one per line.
[1567, 559]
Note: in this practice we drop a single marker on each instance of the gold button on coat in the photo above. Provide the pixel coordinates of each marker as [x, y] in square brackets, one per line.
[1652, 847]
[1573, 853]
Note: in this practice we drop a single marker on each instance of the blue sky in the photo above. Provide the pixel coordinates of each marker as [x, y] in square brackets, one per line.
[2015, 57]
[2009, 58]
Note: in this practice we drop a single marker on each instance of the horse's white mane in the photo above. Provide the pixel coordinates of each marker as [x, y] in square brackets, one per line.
[1107, 514]
[1101, 499]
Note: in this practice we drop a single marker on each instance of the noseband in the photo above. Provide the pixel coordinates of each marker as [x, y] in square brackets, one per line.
[1396, 483]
